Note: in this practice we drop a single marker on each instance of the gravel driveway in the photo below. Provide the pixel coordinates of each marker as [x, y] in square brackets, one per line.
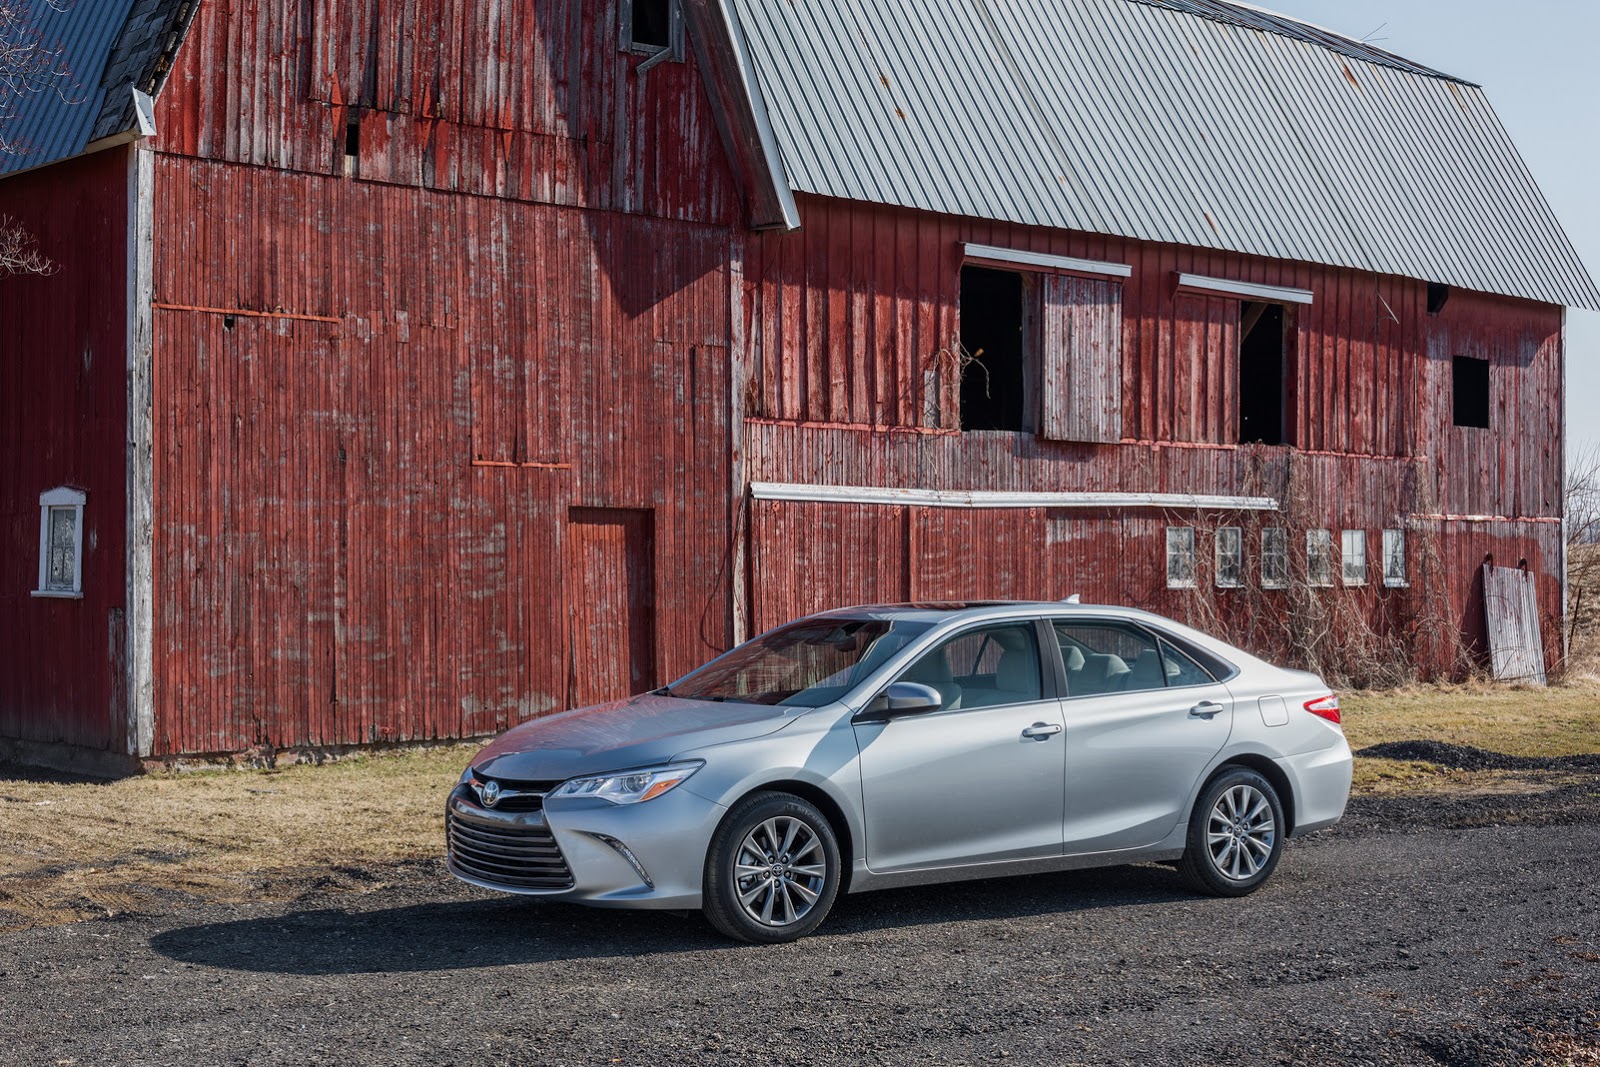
[1456, 931]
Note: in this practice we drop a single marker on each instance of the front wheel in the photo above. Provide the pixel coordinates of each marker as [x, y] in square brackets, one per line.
[772, 871]
[1235, 835]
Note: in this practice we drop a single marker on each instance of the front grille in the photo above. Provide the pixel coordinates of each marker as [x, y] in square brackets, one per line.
[521, 857]
[521, 797]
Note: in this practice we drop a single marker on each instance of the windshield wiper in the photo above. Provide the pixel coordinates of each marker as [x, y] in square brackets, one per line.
[664, 691]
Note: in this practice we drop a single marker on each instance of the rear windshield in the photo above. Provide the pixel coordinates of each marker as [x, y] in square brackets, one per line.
[806, 664]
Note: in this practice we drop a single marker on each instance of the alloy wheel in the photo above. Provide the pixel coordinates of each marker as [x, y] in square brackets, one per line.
[1240, 832]
[779, 871]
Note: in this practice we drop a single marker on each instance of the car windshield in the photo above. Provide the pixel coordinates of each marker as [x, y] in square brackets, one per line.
[806, 664]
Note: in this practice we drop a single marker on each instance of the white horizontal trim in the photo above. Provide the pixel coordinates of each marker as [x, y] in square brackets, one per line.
[978, 498]
[55, 594]
[1278, 294]
[1016, 257]
[63, 497]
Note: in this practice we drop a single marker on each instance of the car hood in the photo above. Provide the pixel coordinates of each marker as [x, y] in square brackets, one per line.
[635, 732]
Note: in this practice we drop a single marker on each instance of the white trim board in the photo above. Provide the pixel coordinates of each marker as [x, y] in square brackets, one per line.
[990, 499]
[1016, 257]
[1277, 294]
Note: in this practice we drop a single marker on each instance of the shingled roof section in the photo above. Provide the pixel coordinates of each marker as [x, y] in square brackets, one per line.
[1190, 122]
[111, 47]
[141, 58]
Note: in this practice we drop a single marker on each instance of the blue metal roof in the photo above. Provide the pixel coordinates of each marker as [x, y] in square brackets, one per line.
[1193, 122]
[110, 47]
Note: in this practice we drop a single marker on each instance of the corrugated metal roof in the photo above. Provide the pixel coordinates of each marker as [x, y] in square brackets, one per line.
[109, 46]
[1189, 122]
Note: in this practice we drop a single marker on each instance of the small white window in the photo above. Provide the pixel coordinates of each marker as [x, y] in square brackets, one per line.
[61, 543]
[1230, 557]
[1319, 557]
[1274, 558]
[1180, 557]
[1354, 543]
[1394, 559]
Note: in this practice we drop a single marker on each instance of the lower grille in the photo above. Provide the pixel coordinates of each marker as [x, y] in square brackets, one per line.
[520, 857]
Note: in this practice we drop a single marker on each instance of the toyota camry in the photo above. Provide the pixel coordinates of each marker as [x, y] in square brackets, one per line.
[887, 746]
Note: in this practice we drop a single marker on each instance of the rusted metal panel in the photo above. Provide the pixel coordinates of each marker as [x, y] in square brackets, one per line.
[1511, 607]
[1082, 359]
[63, 415]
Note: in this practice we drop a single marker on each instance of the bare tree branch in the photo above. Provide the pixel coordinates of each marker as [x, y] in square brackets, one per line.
[30, 65]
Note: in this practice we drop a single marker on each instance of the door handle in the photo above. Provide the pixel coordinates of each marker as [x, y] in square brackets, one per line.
[1206, 710]
[1041, 731]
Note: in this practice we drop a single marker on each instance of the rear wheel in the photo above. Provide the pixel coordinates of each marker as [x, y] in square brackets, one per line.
[772, 872]
[1235, 834]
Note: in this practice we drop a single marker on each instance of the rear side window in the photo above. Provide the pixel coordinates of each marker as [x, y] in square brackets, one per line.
[1110, 657]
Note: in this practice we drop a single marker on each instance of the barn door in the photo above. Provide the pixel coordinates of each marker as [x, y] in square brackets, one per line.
[611, 624]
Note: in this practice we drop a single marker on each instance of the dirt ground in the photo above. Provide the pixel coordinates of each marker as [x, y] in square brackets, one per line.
[72, 850]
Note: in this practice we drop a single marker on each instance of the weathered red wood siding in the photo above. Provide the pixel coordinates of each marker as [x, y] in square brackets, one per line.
[385, 397]
[851, 321]
[63, 416]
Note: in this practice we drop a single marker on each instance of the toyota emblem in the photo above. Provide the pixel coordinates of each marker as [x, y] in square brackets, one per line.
[491, 794]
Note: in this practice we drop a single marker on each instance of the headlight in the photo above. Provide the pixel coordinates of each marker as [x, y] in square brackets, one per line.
[629, 787]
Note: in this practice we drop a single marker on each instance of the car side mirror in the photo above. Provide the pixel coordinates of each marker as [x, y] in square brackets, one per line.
[902, 698]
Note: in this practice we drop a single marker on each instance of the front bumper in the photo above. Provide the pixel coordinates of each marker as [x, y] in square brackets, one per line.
[649, 855]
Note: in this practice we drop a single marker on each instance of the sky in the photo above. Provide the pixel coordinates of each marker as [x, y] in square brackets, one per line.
[1537, 60]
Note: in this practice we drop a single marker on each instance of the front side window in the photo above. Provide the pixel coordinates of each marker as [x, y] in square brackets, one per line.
[1230, 557]
[1319, 557]
[983, 668]
[805, 664]
[61, 543]
[1180, 557]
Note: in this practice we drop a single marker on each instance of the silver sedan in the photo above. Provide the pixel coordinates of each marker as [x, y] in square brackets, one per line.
[887, 746]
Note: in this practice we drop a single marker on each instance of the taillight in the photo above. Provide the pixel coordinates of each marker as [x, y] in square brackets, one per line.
[1326, 707]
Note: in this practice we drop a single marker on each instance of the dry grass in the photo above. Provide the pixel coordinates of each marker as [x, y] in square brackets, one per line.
[80, 850]
[163, 841]
[1561, 720]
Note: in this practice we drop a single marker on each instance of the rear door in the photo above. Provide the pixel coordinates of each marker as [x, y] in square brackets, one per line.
[1142, 721]
[978, 780]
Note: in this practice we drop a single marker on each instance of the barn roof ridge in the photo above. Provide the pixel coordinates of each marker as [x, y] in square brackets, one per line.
[1257, 17]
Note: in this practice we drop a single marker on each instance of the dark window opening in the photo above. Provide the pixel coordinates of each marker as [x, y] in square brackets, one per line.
[1263, 366]
[1469, 380]
[352, 142]
[994, 332]
[1438, 297]
[652, 23]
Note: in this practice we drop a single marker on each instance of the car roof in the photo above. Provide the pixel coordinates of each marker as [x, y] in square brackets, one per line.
[977, 610]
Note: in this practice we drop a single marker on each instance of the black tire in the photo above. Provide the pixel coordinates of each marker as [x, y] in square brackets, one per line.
[778, 896]
[1236, 835]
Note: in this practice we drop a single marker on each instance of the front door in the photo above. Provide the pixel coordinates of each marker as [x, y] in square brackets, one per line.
[978, 780]
[1142, 722]
[611, 636]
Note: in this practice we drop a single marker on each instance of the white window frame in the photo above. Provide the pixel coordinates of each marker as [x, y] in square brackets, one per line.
[62, 498]
[1319, 558]
[1353, 557]
[1225, 535]
[1181, 540]
[1279, 552]
[1391, 579]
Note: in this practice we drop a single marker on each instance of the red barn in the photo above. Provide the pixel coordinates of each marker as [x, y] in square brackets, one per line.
[410, 370]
